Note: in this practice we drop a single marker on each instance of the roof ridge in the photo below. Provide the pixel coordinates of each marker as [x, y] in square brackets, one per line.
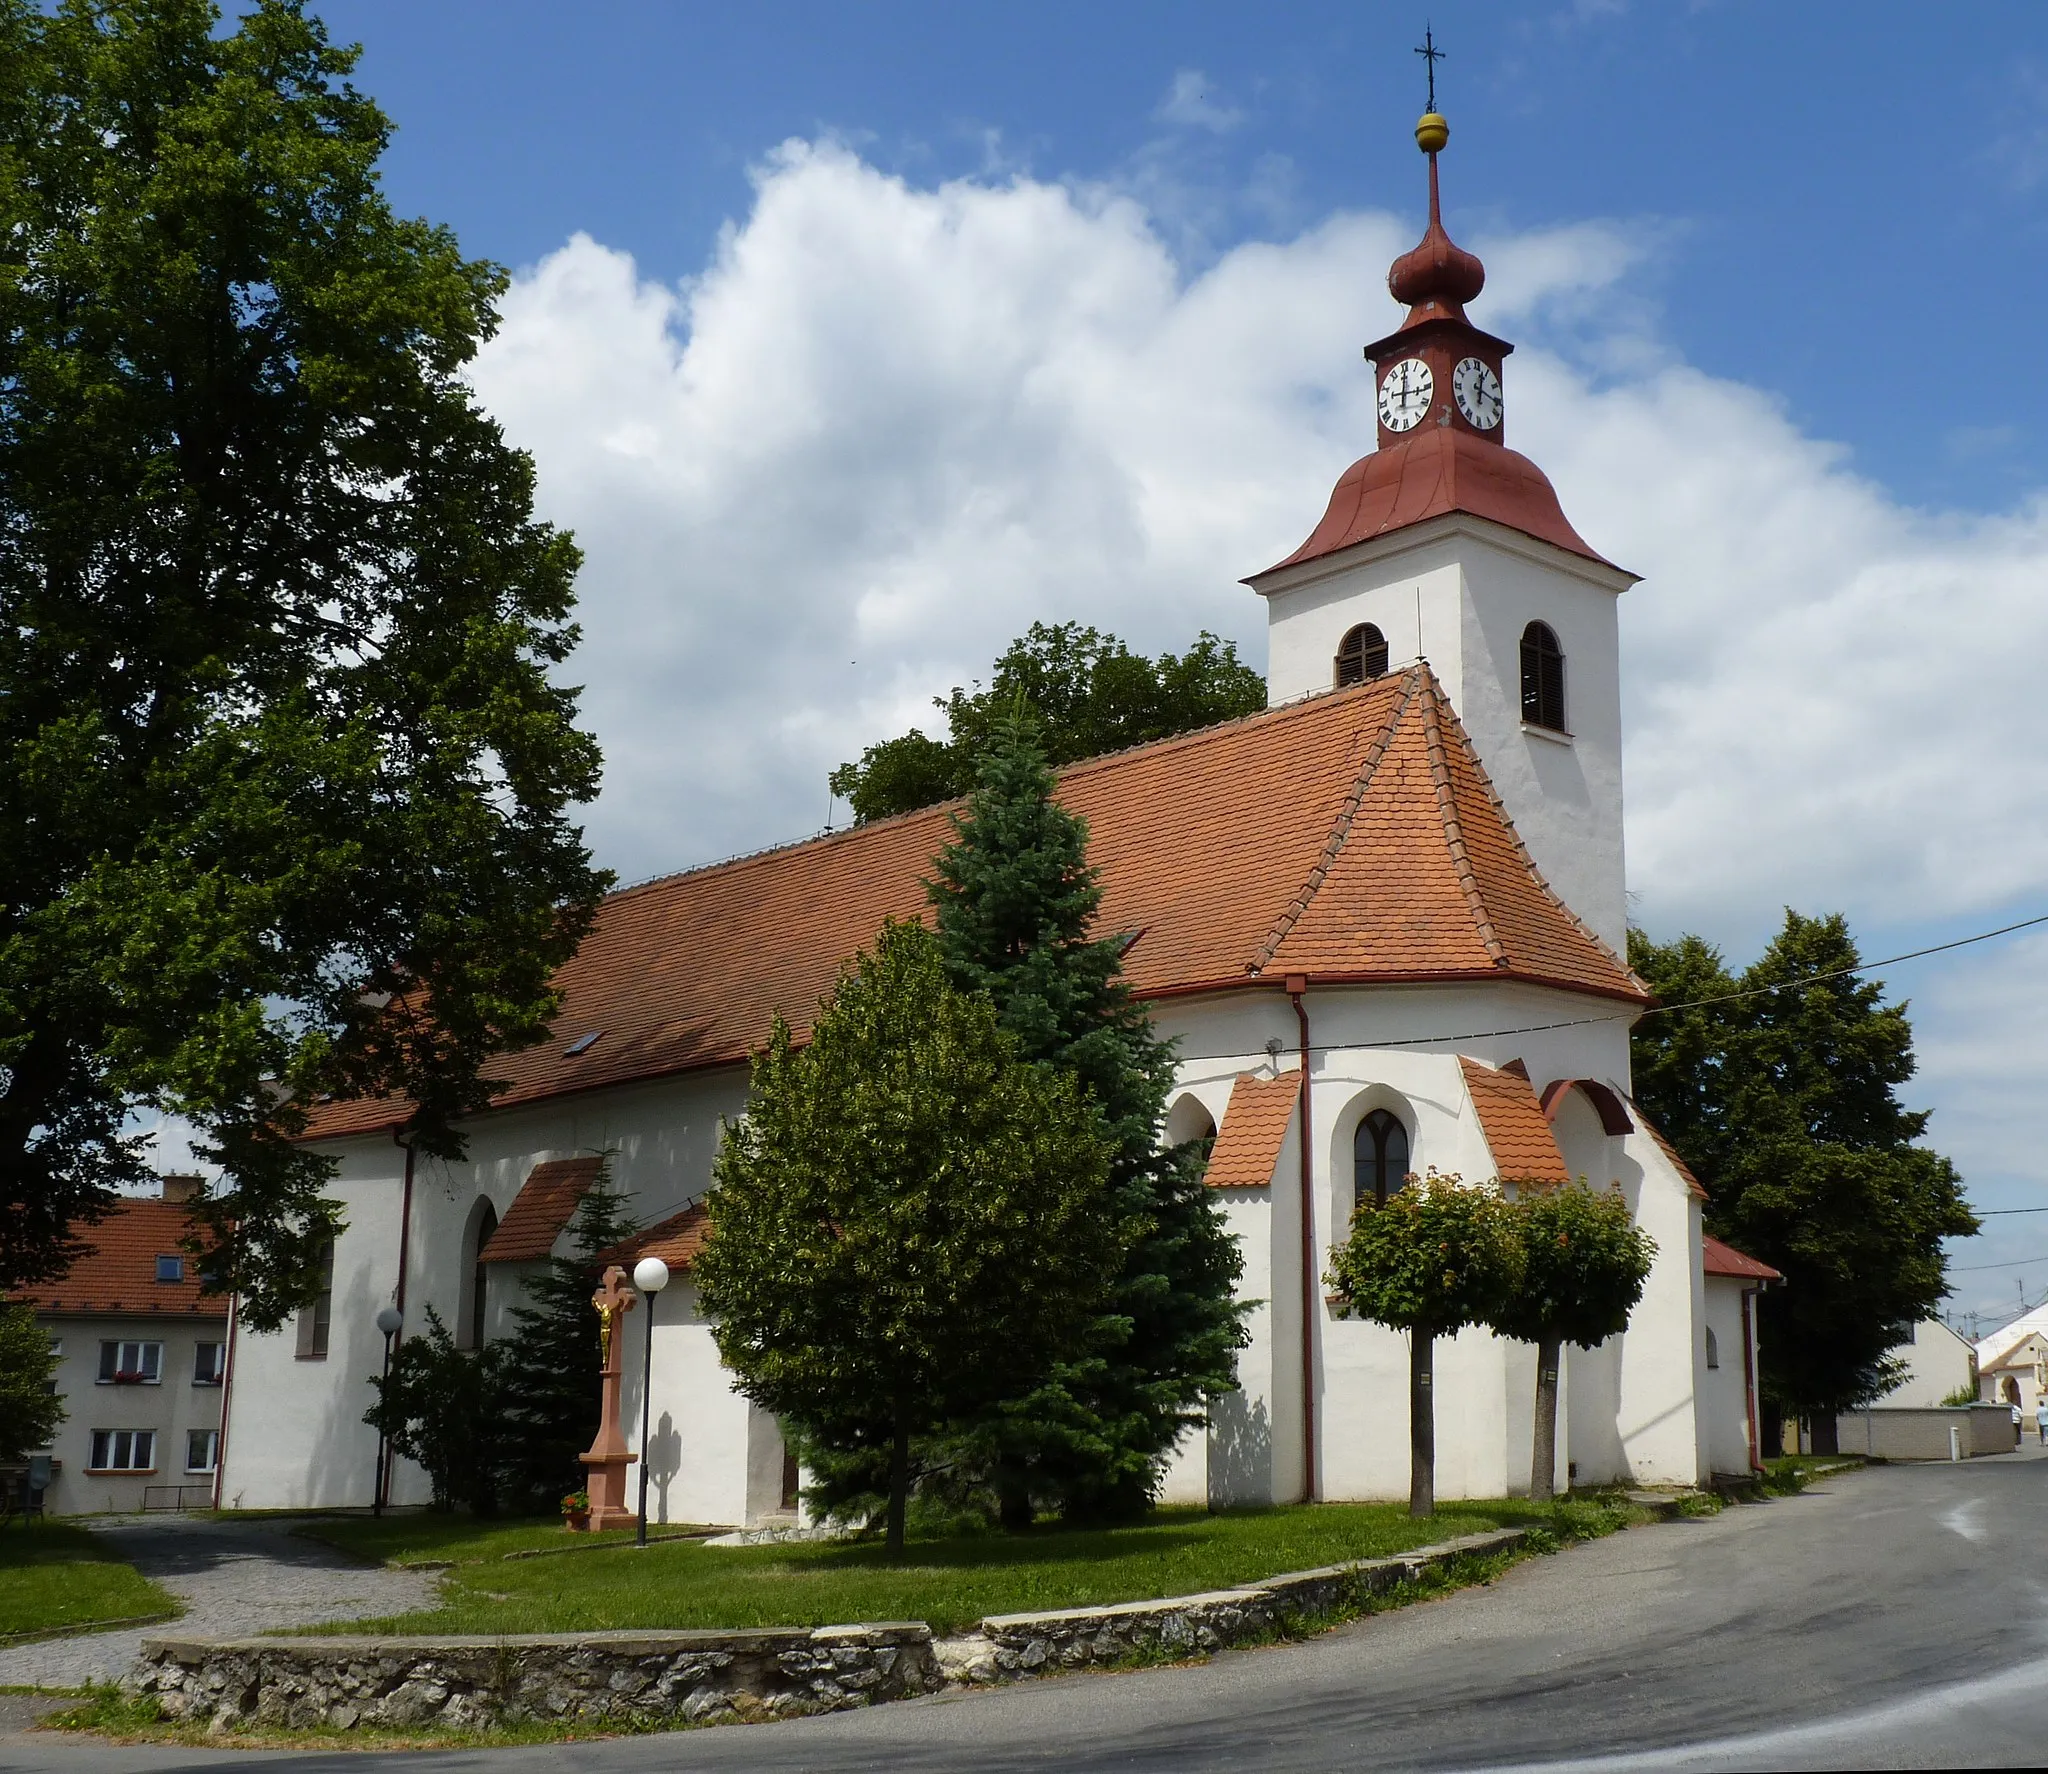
[1543, 885]
[1454, 828]
[1340, 829]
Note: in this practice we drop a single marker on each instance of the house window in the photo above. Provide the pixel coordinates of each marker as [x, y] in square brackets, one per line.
[206, 1364]
[202, 1449]
[315, 1315]
[131, 1364]
[1379, 1159]
[1713, 1348]
[123, 1450]
[1542, 678]
[56, 1355]
[170, 1268]
[1361, 654]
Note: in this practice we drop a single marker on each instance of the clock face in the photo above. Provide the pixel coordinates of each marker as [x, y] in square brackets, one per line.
[1405, 394]
[1477, 390]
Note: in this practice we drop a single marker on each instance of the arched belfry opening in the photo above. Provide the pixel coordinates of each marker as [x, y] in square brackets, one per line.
[1361, 655]
[1543, 678]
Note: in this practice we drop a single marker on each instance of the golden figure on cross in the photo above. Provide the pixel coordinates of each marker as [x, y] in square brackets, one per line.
[608, 1458]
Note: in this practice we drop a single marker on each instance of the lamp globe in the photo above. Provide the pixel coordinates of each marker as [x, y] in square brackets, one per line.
[650, 1275]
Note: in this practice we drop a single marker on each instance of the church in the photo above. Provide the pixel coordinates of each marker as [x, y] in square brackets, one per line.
[1385, 919]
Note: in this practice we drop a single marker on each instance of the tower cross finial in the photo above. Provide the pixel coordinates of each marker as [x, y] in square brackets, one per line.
[1431, 55]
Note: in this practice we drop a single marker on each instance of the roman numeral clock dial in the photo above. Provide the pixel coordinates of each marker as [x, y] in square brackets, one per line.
[1405, 394]
[1477, 391]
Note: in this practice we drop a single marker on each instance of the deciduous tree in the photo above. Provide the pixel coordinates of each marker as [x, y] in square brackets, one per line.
[445, 1408]
[910, 1222]
[1441, 1254]
[284, 771]
[30, 1409]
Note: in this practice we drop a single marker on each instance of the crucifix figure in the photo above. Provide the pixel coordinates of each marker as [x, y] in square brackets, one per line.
[608, 1457]
[1431, 55]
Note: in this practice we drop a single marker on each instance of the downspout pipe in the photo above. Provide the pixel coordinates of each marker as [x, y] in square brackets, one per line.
[1297, 986]
[1756, 1452]
[404, 1232]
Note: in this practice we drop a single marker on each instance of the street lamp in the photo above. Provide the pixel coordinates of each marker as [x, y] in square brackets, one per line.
[388, 1322]
[650, 1276]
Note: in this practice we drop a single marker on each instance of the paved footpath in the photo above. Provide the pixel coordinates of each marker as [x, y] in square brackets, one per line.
[234, 1577]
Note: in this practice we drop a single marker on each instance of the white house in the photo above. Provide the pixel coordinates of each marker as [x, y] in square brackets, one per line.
[1385, 920]
[1941, 1364]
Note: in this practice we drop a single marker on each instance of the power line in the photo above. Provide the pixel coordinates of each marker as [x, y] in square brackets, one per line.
[1978, 1268]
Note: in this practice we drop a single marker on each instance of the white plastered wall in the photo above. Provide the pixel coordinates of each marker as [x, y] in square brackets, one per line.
[1724, 1396]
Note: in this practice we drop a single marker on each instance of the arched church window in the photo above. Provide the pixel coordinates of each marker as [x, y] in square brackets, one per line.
[1379, 1159]
[480, 1273]
[1542, 678]
[1361, 654]
[1713, 1348]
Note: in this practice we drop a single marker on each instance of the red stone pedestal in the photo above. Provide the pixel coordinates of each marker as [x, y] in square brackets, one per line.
[608, 1458]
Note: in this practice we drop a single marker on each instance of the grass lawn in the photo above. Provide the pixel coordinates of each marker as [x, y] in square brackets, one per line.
[950, 1582]
[446, 1539]
[54, 1578]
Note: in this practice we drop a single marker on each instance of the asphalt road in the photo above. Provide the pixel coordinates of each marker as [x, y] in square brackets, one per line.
[1894, 1618]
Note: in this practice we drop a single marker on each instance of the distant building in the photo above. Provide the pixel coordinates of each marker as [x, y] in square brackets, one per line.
[2012, 1363]
[1728, 1391]
[1941, 1366]
[142, 1364]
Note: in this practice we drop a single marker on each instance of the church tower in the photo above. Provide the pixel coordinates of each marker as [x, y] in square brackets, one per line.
[1445, 544]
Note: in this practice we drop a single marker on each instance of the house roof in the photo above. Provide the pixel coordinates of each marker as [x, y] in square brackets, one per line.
[676, 1240]
[1351, 837]
[1717, 1258]
[117, 1275]
[1255, 1124]
[1517, 1131]
[546, 1202]
[2002, 1342]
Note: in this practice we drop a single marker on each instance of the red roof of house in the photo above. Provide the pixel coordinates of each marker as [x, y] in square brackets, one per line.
[676, 1240]
[546, 1202]
[1350, 837]
[1431, 474]
[1517, 1131]
[1717, 1258]
[1255, 1124]
[117, 1276]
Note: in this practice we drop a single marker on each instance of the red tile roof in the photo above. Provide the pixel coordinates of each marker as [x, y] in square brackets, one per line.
[1517, 1131]
[1717, 1258]
[1255, 1124]
[118, 1274]
[676, 1240]
[1435, 472]
[1351, 837]
[1670, 1151]
[545, 1204]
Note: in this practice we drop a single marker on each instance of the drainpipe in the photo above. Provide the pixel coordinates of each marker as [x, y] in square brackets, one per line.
[404, 1232]
[227, 1401]
[1756, 1456]
[1297, 984]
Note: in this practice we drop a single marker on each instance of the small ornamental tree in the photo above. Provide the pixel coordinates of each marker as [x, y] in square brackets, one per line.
[910, 1223]
[446, 1409]
[1583, 1264]
[1438, 1256]
[29, 1409]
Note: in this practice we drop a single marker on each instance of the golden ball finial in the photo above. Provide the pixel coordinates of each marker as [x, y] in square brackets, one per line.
[1431, 132]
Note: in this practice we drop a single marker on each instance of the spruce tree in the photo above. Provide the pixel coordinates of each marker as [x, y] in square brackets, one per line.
[1016, 904]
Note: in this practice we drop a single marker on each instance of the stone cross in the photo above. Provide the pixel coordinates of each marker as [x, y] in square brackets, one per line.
[608, 1458]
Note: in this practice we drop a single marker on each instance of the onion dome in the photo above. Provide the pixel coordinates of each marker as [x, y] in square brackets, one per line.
[1438, 277]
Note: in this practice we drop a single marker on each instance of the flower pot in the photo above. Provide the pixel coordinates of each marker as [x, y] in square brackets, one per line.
[577, 1521]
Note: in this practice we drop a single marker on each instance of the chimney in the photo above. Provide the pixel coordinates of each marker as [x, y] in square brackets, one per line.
[179, 1189]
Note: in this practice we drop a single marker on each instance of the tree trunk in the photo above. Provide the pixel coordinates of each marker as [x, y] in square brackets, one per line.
[1773, 1430]
[899, 1486]
[1013, 1498]
[1543, 1459]
[1421, 1424]
[1823, 1430]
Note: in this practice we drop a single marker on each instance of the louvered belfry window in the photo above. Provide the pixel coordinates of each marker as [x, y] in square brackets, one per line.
[1542, 678]
[1362, 654]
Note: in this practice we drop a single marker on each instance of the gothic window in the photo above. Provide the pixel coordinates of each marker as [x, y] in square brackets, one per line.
[1713, 1348]
[1361, 654]
[1379, 1159]
[480, 1275]
[1542, 678]
[316, 1317]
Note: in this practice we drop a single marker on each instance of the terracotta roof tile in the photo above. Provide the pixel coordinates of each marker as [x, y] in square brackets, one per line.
[676, 1240]
[545, 1204]
[1717, 1258]
[118, 1274]
[1255, 1124]
[1517, 1133]
[1312, 838]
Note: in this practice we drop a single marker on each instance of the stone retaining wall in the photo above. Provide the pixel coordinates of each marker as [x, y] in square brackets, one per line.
[599, 1677]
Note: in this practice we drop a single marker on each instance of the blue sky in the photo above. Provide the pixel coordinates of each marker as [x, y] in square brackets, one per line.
[850, 340]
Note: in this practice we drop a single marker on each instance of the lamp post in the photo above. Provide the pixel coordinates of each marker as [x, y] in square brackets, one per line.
[650, 1276]
[388, 1322]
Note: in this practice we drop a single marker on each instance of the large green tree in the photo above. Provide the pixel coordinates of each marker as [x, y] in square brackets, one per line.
[1089, 694]
[1581, 1272]
[1437, 1256]
[1016, 904]
[909, 1223]
[284, 776]
[1780, 1091]
[30, 1409]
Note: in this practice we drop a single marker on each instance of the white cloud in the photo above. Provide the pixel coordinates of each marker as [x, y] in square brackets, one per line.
[1191, 103]
[887, 427]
